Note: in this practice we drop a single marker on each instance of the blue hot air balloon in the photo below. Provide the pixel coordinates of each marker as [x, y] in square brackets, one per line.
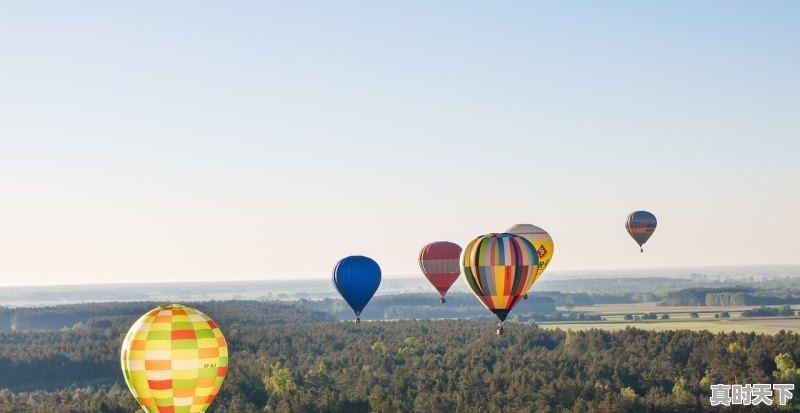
[357, 278]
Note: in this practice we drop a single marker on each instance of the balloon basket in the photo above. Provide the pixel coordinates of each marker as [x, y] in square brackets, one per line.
[443, 300]
[358, 320]
[500, 329]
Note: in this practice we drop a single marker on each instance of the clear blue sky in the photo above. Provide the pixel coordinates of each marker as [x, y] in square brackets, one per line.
[197, 140]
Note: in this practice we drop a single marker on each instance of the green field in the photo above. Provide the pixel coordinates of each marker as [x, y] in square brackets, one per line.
[613, 319]
[755, 325]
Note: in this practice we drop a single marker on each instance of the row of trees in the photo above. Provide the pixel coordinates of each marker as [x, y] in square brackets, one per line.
[784, 311]
[425, 306]
[102, 314]
[729, 297]
[646, 316]
[699, 296]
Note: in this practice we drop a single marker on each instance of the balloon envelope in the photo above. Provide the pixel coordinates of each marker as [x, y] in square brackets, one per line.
[439, 262]
[498, 268]
[174, 359]
[640, 226]
[540, 239]
[357, 279]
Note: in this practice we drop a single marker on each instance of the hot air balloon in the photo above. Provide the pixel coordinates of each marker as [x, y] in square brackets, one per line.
[499, 269]
[541, 240]
[174, 359]
[640, 225]
[439, 262]
[357, 278]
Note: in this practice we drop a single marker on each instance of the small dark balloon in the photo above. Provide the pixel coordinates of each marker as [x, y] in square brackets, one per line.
[640, 226]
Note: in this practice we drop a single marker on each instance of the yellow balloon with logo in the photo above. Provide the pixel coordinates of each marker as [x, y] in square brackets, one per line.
[543, 243]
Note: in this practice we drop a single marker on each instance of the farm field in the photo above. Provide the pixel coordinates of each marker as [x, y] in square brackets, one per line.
[714, 326]
[679, 319]
[653, 307]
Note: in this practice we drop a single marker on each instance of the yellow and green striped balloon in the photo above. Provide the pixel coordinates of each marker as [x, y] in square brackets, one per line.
[174, 360]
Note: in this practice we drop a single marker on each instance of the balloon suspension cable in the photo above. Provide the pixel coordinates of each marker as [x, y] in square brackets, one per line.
[443, 300]
[500, 328]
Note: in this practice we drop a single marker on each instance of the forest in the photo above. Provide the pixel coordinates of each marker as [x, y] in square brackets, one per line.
[731, 296]
[288, 358]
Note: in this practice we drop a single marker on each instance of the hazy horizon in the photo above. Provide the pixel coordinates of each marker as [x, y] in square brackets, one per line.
[770, 270]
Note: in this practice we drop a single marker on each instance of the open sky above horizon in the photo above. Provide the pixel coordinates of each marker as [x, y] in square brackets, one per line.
[209, 141]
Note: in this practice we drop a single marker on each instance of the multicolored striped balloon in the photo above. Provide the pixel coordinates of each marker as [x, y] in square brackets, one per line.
[174, 360]
[439, 262]
[499, 269]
